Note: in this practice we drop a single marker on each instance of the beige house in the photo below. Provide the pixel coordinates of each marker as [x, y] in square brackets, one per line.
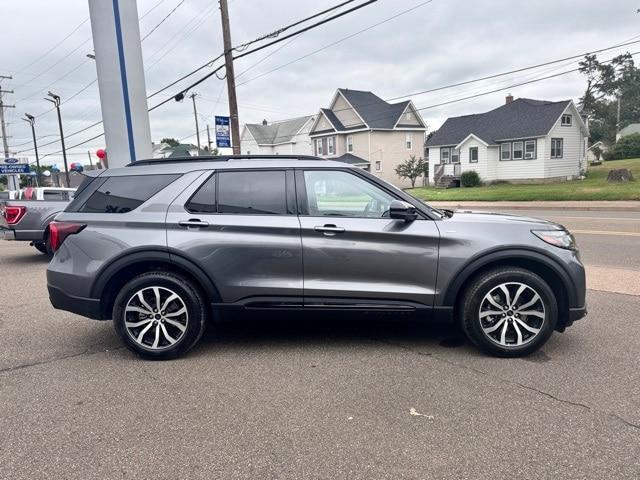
[362, 129]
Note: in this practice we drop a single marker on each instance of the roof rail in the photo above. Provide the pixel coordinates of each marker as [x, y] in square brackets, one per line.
[219, 158]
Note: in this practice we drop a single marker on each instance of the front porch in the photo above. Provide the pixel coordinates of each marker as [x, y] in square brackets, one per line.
[447, 175]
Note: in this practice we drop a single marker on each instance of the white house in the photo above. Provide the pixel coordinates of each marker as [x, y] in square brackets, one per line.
[362, 129]
[522, 140]
[628, 130]
[285, 137]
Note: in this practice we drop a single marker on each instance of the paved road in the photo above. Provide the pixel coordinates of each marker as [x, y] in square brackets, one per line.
[318, 397]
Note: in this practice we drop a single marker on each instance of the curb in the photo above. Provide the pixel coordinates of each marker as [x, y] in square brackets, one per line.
[506, 206]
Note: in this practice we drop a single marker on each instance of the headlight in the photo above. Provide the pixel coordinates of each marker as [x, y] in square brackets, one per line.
[557, 238]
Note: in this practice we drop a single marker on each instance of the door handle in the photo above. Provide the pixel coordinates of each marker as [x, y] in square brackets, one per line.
[328, 229]
[193, 223]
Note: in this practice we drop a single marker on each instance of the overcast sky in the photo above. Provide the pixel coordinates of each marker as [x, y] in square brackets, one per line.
[436, 44]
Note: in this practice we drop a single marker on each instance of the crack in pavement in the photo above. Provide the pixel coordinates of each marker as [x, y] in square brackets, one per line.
[55, 359]
[511, 382]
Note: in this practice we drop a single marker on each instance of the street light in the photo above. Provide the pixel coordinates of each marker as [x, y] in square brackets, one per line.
[55, 99]
[32, 121]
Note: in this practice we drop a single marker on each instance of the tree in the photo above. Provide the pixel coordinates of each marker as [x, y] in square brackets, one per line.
[411, 168]
[172, 142]
[608, 82]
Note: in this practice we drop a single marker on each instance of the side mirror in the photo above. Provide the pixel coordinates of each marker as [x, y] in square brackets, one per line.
[402, 211]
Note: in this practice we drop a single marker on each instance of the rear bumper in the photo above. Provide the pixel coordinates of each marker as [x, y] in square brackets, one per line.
[7, 234]
[87, 307]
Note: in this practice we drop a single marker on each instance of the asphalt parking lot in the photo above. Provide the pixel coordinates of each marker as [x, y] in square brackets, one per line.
[329, 397]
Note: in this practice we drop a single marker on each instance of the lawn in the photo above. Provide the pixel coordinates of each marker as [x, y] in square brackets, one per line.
[594, 187]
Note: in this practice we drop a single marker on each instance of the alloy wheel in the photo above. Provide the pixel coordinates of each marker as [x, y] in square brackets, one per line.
[156, 318]
[512, 314]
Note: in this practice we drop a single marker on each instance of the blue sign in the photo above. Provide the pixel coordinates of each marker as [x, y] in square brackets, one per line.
[14, 169]
[223, 132]
[11, 160]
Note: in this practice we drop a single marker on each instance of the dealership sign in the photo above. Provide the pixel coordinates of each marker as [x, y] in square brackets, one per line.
[223, 132]
[14, 166]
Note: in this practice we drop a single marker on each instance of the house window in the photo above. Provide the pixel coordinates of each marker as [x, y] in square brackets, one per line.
[330, 149]
[349, 143]
[505, 151]
[455, 156]
[566, 120]
[318, 146]
[530, 149]
[518, 153]
[409, 141]
[473, 155]
[556, 147]
[378, 166]
[445, 153]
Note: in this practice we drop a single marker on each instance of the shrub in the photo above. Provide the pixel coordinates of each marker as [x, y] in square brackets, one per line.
[626, 147]
[470, 179]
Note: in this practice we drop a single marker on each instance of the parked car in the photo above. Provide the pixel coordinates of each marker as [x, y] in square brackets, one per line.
[28, 218]
[161, 246]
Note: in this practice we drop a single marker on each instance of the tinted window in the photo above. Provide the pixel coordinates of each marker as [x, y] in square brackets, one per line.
[204, 200]
[123, 194]
[342, 194]
[262, 192]
[55, 195]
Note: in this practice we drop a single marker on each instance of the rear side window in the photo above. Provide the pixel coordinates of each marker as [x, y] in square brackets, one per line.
[204, 200]
[252, 192]
[48, 195]
[123, 194]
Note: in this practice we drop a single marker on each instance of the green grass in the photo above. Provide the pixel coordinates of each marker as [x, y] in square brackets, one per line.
[594, 187]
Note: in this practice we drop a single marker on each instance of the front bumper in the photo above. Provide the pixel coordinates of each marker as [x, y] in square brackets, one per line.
[87, 307]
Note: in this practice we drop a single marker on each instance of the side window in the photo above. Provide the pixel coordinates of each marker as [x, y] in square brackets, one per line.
[53, 195]
[333, 193]
[204, 200]
[123, 194]
[252, 192]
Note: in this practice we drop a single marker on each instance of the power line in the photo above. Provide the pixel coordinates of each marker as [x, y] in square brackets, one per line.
[163, 20]
[338, 41]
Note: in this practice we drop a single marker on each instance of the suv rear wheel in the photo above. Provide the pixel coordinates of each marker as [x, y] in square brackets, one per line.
[159, 315]
[509, 312]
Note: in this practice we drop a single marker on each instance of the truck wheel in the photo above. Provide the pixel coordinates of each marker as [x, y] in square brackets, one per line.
[509, 312]
[160, 315]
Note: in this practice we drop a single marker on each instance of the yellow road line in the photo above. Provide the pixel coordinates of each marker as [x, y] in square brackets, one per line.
[605, 232]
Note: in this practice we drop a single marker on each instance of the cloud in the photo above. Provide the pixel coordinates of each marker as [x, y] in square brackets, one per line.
[440, 43]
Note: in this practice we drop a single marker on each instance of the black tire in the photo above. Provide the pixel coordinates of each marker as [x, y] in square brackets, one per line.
[475, 298]
[188, 295]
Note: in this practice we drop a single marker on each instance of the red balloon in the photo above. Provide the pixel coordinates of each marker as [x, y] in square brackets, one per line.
[101, 153]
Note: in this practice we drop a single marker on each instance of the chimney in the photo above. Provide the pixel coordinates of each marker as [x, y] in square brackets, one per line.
[264, 122]
[509, 99]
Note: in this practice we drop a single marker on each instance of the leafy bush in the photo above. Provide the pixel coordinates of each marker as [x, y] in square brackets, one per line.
[470, 179]
[626, 147]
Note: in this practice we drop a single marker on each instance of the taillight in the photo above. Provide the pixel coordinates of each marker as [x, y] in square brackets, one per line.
[59, 231]
[14, 214]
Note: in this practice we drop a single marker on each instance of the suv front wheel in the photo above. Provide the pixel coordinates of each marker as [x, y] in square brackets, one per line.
[509, 312]
[159, 315]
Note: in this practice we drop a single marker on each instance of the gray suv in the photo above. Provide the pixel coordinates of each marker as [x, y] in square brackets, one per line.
[162, 246]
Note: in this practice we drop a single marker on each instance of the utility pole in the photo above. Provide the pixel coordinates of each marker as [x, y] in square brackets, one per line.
[32, 121]
[55, 99]
[231, 77]
[14, 184]
[618, 118]
[195, 115]
[208, 139]
[90, 159]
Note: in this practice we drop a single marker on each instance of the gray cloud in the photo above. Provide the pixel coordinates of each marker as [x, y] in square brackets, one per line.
[443, 42]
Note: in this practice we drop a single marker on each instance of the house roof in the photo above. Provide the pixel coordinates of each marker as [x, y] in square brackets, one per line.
[629, 129]
[521, 118]
[351, 159]
[277, 132]
[373, 110]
